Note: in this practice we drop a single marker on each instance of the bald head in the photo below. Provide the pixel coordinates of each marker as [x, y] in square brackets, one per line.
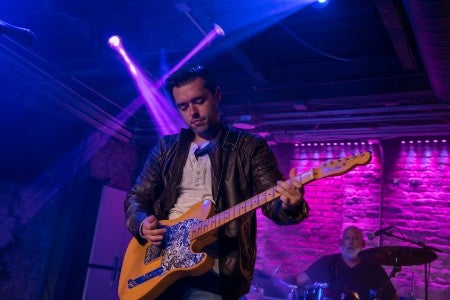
[354, 231]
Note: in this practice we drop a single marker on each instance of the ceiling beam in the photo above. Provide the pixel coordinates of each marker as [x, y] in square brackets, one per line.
[397, 32]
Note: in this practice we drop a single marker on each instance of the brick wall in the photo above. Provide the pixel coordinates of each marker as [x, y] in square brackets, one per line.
[405, 185]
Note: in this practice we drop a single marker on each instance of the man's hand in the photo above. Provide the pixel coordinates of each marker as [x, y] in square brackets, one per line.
[151, 232]
[291, 193]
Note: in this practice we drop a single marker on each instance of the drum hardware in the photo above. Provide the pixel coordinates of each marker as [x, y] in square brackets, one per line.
[293, 293]
[268, 285]
[398, 256]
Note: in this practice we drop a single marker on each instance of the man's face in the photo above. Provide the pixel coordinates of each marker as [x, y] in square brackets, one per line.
[352, 243]
[198, 107]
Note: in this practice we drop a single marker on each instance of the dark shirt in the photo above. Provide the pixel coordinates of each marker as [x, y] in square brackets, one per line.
[362, 278]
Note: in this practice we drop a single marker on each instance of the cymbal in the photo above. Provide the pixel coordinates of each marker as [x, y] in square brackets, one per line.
[273, 286]
[398, 256]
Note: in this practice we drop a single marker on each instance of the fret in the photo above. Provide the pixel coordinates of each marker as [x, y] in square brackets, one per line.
[232, 213]
[219, 218]
[195, 232]
[213, 222]
[226, 216]
[237, 210]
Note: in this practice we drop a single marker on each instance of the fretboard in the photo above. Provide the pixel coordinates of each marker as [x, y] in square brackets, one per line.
[242, 208]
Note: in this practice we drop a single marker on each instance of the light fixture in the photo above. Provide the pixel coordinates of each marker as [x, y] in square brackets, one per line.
[245, 122]
[321, 3]
[114, 41]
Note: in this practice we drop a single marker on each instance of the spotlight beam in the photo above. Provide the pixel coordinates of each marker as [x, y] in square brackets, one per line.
[212, 35]
[46, 186]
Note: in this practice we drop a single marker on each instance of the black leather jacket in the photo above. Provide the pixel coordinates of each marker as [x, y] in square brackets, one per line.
[242, 165]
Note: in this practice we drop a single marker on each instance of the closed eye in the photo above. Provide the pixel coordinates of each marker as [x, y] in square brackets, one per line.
[197, 101]
[183, 106]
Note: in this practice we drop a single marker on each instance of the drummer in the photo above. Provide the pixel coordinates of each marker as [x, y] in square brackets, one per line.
[345, 271]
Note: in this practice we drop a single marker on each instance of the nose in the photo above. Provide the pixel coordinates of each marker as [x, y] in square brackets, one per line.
[193, 110]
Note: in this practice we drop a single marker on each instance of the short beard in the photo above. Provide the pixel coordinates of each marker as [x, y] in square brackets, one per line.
[352, 254]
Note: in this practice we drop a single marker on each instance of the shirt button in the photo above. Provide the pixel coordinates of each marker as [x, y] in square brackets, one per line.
[198, 172]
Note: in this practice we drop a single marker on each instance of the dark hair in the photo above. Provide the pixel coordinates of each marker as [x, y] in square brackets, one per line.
[187, 74]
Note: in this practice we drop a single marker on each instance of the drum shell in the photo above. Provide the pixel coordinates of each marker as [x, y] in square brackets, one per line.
[323, 292]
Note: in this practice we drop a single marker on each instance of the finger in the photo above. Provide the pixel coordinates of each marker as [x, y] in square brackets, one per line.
[153, 221]
[155, 239]
[297, 184]
[159, 231]
[286, 188]
[150, 223]
[290, 197]
[155, 236]
[284, 185]
[287, 203]
[288, 194]
[293, 173]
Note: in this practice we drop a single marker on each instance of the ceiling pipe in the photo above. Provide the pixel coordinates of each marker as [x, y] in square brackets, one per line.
[430, 22]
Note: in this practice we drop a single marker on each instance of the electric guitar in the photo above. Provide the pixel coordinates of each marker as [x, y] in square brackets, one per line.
[148, 270]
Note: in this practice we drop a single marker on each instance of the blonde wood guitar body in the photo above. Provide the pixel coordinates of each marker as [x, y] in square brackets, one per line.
[150, 270]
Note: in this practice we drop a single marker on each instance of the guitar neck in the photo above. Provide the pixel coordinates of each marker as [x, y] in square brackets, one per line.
[222, 218]
[327, 169]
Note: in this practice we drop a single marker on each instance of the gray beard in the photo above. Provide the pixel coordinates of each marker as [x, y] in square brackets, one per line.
[351, 254]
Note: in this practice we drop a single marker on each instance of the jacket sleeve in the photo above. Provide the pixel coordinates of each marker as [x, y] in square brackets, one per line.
[266, 174]
[147, 189]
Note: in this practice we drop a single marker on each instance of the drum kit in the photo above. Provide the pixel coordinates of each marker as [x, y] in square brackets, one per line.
[395, 256]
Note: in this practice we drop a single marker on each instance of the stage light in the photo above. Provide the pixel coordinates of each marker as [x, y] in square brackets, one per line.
[114, 41]
[321, 3]
[219, 30]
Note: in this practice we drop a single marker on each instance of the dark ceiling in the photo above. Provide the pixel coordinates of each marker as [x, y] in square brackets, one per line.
[353, 70]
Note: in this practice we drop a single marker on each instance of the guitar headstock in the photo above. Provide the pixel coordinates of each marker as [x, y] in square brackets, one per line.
[342, 165]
